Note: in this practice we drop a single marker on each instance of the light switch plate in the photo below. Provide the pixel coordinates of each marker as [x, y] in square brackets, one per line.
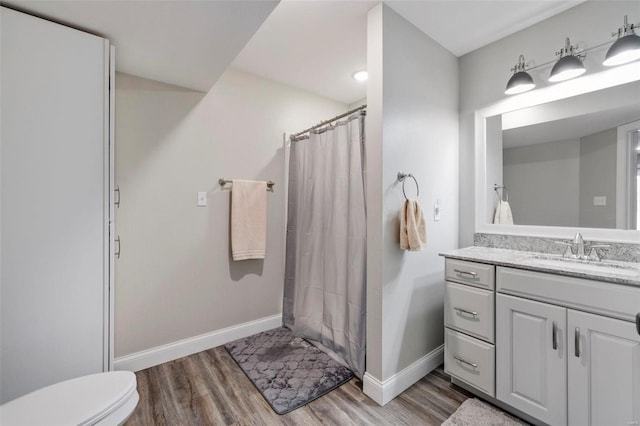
[202, 199]
[600, 201]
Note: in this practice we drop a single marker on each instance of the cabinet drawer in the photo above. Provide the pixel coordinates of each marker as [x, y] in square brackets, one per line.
[603, 298]
[470, 310]
[470, 360]
[471, 273]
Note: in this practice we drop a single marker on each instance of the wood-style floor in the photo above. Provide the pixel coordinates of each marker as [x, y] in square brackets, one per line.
[208, 388]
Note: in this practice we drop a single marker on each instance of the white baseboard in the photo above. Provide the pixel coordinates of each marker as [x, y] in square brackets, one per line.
[165, 353]
[383, 392]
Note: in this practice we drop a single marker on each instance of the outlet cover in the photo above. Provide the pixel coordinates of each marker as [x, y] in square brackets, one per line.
[202, 199]
[600, 201]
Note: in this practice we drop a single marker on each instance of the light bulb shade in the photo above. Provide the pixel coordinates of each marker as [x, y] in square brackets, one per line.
[625, 49]
[567, 67]
[519, 82]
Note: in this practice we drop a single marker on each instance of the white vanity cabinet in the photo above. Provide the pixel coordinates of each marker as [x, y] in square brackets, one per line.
[470, 324]
[562, 365]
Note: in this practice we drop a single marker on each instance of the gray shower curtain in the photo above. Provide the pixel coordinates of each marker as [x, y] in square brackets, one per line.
[324, 295]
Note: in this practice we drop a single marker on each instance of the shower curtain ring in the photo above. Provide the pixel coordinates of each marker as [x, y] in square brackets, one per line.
[402, 178]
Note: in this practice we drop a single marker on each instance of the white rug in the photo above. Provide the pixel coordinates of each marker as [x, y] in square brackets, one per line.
[474, 412]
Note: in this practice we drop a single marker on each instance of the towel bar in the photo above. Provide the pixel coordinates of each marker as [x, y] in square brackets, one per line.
[223, 182]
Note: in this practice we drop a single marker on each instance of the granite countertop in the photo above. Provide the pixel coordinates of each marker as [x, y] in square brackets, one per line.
[627, 273]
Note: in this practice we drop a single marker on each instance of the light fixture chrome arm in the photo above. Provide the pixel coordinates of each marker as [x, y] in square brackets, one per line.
[625, 29]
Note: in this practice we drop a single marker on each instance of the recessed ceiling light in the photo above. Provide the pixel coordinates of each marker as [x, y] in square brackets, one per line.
[360, 76]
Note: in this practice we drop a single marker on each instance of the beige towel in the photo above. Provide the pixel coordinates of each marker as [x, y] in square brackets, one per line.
[503, 214]
[248, 219]
[413, 231]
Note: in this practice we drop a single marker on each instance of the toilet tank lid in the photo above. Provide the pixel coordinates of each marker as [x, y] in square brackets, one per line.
[80, 401]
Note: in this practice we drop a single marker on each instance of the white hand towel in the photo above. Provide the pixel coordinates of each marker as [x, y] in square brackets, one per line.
[248, 219]
[413, 231]
[503, 214]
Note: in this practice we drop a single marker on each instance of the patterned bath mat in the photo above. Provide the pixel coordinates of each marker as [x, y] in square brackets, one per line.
[474, 412]
[288, 371]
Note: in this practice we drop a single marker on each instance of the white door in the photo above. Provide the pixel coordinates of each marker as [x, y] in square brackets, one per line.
[604, 371]
[54, 203]
[531, 365]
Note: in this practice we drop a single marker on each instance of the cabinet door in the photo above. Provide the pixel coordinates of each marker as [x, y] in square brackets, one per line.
[531, 365]
[54, 203]
[604, 371]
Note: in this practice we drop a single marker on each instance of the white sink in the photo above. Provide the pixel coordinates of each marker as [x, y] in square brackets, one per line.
[625, 269]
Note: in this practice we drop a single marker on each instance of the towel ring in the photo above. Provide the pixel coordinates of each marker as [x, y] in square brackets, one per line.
[402, 177]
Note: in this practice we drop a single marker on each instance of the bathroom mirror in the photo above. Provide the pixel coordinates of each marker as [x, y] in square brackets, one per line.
[568, 157]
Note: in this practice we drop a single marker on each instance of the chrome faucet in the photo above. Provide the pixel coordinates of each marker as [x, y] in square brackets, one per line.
[576, 249]
[569, 252]
[578, 242]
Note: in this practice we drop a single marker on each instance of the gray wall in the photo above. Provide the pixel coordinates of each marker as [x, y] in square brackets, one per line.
[484, 74]
[413, 127]
[553, 184]
[598, 156]
[543, 182]
[175, 278]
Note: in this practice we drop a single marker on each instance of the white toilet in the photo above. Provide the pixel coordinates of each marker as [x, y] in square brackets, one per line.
[103, 399]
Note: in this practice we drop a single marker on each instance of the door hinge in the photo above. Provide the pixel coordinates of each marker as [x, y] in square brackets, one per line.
[117, 250]
[116, 200]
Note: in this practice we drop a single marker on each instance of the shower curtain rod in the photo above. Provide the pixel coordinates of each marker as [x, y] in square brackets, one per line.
[322, 123]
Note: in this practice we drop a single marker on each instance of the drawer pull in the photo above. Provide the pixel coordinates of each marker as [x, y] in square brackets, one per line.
[554, 335]
[475, 314]
[457, 358]
[461, 272]
[576, 343]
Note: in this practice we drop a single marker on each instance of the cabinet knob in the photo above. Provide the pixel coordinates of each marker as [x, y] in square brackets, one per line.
[638, 322]
[554, 335]
[576, 343]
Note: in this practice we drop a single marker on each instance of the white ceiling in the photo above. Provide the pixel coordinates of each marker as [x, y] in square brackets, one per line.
[318, 45]
[185, 43]
[465, 25]
[315, 45]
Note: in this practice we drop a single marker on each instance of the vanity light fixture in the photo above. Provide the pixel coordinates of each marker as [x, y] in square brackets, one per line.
[520, 81]
[569, 65]
[626, 48]
[360, 76]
